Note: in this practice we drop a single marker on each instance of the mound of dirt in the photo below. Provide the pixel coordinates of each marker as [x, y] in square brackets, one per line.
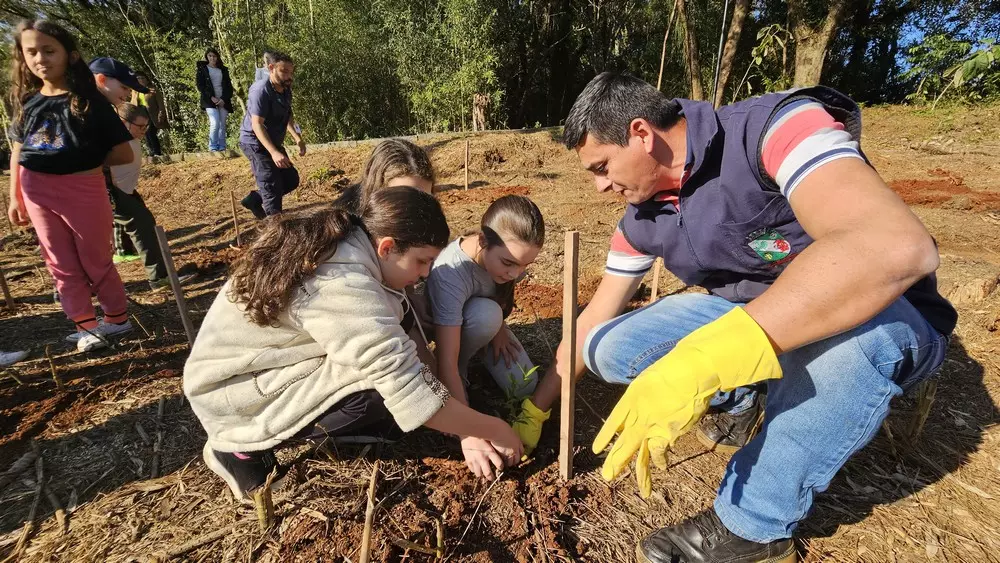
[948, 192]
[481, 195]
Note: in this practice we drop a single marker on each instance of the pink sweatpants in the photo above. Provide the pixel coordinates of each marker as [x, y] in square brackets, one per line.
[73, 219]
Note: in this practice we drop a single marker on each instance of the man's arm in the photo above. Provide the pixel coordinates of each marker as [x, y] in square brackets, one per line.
[869, 249]
[280, 159]
[609, 301]
[257, 123]
[293, 129]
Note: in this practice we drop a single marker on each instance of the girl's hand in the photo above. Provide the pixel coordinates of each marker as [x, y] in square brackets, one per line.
[507, 443]
[481, 458]
[216, 101]
[17, 213]
[504, 344]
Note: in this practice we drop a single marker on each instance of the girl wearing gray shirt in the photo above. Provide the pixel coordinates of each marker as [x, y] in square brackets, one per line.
[471, 292]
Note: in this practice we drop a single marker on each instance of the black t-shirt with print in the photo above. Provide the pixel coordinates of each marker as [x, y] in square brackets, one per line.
[53, 141]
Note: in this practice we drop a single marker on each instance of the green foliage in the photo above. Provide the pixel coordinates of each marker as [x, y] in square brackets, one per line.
[370, 68]
[942, 66]
[768, 62]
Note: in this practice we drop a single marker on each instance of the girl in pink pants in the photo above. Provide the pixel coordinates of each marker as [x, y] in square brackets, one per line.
[63, 131]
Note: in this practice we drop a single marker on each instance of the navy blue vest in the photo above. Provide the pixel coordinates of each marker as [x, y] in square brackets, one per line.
[735, 232]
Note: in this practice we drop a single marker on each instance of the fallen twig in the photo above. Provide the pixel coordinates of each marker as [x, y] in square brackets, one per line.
[143, 327]
[20, 466]
[197, 542]
[404, 544]
[474, 513]
[155, 464]
[366, 537]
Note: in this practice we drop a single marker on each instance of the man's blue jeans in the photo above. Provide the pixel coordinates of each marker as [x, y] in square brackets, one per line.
[830, 402]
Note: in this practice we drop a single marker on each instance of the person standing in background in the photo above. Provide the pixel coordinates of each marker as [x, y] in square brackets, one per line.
[262, 73]
[216, 90]
[153, 102]
[262, 138]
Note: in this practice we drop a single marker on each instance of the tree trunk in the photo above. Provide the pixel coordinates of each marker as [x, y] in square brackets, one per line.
[666, 36]
[729, 52]
[691, 52]
[812, 40]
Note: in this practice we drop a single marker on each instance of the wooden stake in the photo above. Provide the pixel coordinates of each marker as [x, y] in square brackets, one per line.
[158, 445]
[568, 394]
[466, 164]
[6, 291]
[175, 284]
[52, 367]
[655, 289]
[366, 538]
[236, 219]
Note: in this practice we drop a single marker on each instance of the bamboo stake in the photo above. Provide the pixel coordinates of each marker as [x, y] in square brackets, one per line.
[175, 284]
[264, 502]
[366, 538]
[925, 399]
[236, 219]
[29, 524]
[568, 389]
[654, 290]
[52, 367]
[466, 164]
[60, 514]
[6, 290]
[158, 445]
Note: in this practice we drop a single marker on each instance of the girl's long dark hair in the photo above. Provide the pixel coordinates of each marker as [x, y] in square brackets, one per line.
[292, 245]
[79, 80]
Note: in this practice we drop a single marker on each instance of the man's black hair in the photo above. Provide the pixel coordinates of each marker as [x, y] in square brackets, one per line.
[279, 57]
[609, 103]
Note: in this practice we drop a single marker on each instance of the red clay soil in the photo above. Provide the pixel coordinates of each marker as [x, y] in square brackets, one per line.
[949, 192]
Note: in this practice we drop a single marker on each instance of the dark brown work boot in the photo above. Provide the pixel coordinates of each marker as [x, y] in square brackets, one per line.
[725, 433]
[704, 539]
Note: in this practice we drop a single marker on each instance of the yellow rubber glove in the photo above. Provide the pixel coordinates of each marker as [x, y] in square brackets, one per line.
[528, 424]
[670, 396]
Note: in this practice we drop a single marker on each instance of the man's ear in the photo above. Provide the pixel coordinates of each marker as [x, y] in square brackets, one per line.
[102, 80]
[642, 130]
[384, 246]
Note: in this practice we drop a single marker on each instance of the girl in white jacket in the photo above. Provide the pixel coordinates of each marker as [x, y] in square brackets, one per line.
[310, 338]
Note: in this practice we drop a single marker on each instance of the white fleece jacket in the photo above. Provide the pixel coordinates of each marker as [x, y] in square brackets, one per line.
[254, 387]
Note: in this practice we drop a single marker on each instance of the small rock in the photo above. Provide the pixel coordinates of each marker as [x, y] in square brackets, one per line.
[974, 291]
[961, 202]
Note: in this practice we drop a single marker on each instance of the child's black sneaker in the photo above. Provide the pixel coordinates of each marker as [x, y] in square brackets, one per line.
[243, 472]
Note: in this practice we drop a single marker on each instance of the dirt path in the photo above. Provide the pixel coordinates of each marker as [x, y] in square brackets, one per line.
[936, 499]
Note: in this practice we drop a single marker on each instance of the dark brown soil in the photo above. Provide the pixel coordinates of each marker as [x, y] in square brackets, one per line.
[934, 499]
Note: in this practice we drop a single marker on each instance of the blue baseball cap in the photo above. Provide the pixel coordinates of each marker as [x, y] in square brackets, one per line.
[113, 68]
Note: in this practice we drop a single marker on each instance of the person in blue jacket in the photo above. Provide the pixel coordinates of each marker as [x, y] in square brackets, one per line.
[821, 294]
